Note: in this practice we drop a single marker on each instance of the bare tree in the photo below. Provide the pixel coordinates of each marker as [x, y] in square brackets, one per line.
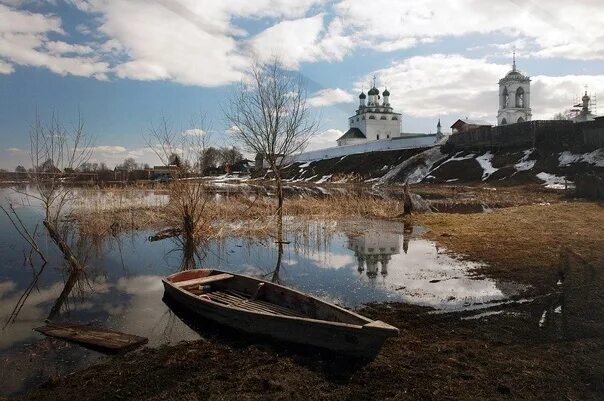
[269, 115]
[186, 208]
[230, 156]
[55, 148]
[129, 164]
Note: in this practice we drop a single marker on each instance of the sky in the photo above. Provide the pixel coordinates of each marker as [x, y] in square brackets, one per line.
[125, 64]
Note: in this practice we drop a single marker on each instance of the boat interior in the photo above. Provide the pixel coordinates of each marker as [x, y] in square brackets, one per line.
[258, 296]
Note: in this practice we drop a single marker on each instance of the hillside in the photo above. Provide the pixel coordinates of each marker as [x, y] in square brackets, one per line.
[553, 169]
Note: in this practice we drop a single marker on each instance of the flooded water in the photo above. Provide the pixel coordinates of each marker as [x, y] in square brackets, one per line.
[346, 262]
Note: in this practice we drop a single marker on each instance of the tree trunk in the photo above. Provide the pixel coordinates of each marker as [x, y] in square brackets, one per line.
[407, 203]
[65, 249]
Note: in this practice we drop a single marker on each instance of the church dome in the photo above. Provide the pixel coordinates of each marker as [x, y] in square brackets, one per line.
[386, 93]
[515, 75]
[373, 91]
[362, 95]
[585, 97]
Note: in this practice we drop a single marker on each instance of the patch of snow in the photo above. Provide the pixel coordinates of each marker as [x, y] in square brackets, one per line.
[483, 314]
[324, 178]
[421, 165]
[558, 309]
[554, 182]
[595, 158]
[453, 180]
[524, 163]
[485, 163]
[384, 168]
[542, 320]
[304, 165]
[456, 158]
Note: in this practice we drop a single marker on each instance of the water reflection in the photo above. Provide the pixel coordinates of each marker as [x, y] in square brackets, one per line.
[121, 289]
[373, 251]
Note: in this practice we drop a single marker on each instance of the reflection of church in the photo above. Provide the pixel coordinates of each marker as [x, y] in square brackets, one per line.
[373, 251]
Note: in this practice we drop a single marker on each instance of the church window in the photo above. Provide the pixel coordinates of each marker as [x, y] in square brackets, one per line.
[372, 117]
[520, 97]
[377, 136]
[388, 136]
[394, 118]
[357, 119]
[504, 122]
[383, 118]
[363, 117]
[505, 97]
[520, 120]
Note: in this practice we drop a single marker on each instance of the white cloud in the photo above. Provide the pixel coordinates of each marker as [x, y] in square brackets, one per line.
[550, 95]
[193, 132]
[15, 150]
[6, 68]
[425, 86]
[330, 96]
[325, 139]
[559, 28]
[203, 43]
[291, 41]
[58, 47]
[428, 86]
[109, 149]
[24, 41]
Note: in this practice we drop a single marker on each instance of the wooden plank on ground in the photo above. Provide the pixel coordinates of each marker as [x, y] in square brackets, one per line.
[99, 339]
[203, 280]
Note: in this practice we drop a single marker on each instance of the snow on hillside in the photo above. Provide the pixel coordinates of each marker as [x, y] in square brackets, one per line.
[485, 163]
[595, 158]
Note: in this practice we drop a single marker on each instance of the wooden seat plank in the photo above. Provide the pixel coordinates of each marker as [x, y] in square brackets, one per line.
[203, 280]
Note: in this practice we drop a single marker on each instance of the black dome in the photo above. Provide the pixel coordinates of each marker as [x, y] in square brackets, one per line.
[362, 95]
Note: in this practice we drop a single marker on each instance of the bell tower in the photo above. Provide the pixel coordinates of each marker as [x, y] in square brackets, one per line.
[514, 97]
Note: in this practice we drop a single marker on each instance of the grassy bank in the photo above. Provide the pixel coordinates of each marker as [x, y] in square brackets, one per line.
[524, 243]
[549, 348]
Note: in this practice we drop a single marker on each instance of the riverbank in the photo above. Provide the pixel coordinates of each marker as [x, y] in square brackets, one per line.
[547, 344]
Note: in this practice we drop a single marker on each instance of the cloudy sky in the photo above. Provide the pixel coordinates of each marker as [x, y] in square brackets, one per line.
[125, 63]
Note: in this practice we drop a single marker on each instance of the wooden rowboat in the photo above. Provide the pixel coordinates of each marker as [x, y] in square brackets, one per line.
[265, 308]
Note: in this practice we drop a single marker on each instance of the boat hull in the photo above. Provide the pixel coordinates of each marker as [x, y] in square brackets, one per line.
[355, 340]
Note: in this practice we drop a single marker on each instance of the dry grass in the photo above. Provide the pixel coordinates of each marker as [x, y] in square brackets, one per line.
[222, 217]
[488, 195]
[523, 243]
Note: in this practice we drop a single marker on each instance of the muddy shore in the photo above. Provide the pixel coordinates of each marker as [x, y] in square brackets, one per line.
[547, 345]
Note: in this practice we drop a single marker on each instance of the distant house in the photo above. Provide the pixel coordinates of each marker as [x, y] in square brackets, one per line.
[164, 172]
[242, 167]
[468, 125]
[260, 161]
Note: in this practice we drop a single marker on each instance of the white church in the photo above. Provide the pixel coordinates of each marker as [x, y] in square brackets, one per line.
[373, 121]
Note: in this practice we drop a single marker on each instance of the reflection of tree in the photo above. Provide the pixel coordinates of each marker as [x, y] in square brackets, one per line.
[193, 251]
[407, 231]
[23, 298]
[82, 246]
[275, 278]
